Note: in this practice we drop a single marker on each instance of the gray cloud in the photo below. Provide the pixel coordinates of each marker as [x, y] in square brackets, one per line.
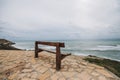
[63, 19]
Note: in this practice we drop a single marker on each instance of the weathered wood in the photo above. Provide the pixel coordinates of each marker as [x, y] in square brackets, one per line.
[58, 58]
[39, 50]
[51, 43]
[58, 53]
[62, 55]
[36, 50]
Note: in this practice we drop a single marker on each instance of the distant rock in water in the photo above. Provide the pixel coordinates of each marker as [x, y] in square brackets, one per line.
[7, 45]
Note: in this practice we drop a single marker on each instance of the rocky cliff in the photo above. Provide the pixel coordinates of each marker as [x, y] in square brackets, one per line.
[7, 45]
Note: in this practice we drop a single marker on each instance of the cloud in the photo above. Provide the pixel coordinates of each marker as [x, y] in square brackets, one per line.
[63, 19]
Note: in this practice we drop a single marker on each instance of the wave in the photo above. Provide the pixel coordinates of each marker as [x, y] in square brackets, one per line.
[106, 47]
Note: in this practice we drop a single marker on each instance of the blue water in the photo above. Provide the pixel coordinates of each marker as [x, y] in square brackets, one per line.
[102, 48]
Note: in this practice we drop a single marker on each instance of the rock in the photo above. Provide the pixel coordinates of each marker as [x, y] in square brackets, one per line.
[5, 42]
[28, 65]
[22, 75]
[42, 69]
[68, 74]
[85, 76]
[94, 73]
[27, 70]
[104, 72]
[102, 78]
[45, 75]
[34, 75]
[27, 79]
[54, 77]
[62, 78]
[7, 45]
[13, 61]
[13, 76]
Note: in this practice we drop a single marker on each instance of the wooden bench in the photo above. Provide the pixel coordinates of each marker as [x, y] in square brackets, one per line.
[58, 52]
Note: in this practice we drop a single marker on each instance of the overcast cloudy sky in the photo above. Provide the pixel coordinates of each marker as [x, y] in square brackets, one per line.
[59, 19]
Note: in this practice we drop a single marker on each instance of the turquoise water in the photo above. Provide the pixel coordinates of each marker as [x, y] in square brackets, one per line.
[102, 48]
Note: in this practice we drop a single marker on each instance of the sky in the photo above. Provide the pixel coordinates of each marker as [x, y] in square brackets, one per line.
[59, 19]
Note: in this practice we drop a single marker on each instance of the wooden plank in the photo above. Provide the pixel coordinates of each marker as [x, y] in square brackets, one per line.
[46, 50]
[51, 43]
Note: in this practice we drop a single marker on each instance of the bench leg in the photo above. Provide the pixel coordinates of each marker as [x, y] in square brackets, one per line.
[36, 54]
[36, 50]
[58, 58]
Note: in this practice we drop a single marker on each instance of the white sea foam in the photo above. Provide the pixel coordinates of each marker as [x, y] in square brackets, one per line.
[105, 47]
[80, 54]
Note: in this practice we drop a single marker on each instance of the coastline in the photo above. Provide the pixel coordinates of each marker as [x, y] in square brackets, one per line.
[16, 63]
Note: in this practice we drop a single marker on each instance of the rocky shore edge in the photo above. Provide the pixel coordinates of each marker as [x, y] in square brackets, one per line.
[21, 65]
[7, 45]
[111, 65]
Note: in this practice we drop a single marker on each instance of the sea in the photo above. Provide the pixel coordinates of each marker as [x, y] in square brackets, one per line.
[102, 48]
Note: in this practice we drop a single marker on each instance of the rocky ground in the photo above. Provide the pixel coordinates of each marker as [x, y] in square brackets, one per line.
[21, 65]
